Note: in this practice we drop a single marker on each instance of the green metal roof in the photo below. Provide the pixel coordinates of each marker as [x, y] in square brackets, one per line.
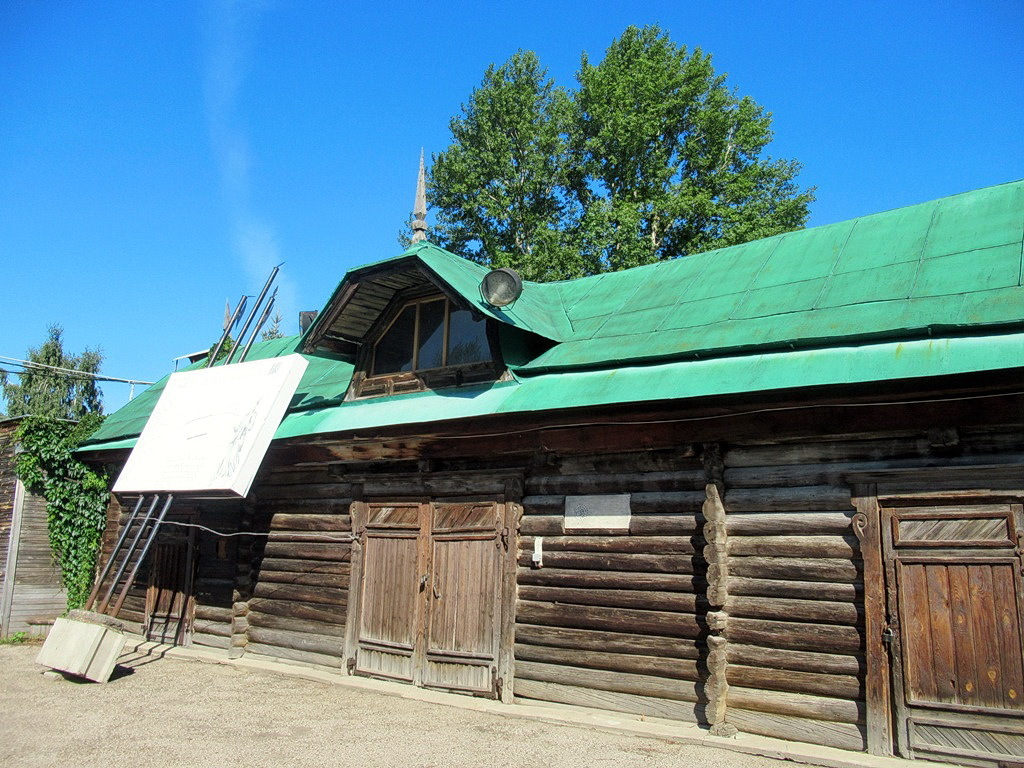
[928, 290]
[950, 264]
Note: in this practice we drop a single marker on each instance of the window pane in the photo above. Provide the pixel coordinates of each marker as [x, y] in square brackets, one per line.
[431, 334]
[467, 338]
[393, 352]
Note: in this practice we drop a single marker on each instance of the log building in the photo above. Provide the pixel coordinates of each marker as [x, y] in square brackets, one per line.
[774, 488]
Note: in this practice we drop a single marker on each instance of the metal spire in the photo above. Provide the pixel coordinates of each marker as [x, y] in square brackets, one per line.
[419, 211]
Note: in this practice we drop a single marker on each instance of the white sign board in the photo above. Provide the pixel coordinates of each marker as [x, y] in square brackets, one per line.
[211, 428]
[610, 510]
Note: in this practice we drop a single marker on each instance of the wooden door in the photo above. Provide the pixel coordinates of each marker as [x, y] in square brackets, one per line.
[391, 598]
[429, 608]
[955, 608]
[169, 603]
[463, 598]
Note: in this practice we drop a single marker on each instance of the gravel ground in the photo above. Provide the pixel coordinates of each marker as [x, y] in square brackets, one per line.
[181, 712]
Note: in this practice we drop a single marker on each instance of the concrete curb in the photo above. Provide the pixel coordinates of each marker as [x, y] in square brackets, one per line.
[558, 714]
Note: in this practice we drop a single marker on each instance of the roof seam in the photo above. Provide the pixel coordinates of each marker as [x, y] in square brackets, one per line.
[679, 299]
[1020, 277]
[924, 250]
[615, 313]
[757, 274]
[835, 262]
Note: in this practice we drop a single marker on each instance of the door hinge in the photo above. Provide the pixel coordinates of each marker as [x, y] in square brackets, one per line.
[350, 664]
[504, 538]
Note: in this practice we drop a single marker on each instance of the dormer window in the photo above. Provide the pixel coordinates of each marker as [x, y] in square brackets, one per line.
[429, 342]
[428, 334]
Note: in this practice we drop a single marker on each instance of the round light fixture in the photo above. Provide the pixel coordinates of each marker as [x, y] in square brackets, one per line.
[500, 287]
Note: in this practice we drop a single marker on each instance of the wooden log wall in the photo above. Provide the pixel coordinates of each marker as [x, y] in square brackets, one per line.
[795, 626]
[216, 571]
[295, 604]
[214, 564]
[735, 598]
[614, 619]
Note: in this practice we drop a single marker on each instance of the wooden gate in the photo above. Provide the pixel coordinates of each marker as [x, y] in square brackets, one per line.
[430, 607]
[955, 608]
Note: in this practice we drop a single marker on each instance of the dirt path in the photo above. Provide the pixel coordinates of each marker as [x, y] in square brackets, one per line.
[177, 712]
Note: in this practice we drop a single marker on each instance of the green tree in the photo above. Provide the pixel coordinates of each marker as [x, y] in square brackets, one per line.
[502, 192]
[673, 157]
[274, 331]
[652, 157]
[55, 384]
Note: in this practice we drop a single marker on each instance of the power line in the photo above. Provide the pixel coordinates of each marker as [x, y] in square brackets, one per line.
[345, 538]
[70, 373]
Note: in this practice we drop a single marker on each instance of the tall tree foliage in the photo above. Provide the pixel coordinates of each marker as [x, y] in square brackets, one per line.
[59, 394]
[501, 193]
[652, 157]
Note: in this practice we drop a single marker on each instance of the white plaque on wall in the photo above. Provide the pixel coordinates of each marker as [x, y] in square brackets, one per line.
[609, 510]
[211, 428]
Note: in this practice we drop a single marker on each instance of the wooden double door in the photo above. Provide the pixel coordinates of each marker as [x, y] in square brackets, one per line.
[430, 608]
[955, 609]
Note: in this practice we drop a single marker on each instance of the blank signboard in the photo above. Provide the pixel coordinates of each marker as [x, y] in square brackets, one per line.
[211, 428]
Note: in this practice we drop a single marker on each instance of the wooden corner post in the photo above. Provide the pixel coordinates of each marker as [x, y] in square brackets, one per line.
[717, 557]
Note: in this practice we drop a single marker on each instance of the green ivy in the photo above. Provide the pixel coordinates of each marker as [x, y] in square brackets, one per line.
[76, 495]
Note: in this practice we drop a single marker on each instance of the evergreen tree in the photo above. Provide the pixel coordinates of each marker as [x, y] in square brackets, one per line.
[274, 331]
[501, 193]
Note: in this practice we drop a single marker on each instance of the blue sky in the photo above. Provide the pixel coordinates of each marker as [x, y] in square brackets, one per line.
[159, 158]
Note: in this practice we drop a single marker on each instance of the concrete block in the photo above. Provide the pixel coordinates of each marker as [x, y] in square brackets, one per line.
[83, 649]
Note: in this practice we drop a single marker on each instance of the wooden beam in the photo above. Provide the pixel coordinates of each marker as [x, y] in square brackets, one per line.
[866, 524]
[7, 597]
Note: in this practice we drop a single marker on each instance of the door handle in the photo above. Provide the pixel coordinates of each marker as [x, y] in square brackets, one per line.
[437, 595]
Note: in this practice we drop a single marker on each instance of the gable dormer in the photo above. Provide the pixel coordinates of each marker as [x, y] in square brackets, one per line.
[406, 330]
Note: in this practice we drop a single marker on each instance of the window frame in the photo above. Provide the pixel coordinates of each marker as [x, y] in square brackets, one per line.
[445, 337]
[367, 383]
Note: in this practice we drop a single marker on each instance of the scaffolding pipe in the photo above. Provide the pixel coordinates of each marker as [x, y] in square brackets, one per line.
[129, 553]
[259, 325]
[255, 309]
[113, 555]
[142, 555]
